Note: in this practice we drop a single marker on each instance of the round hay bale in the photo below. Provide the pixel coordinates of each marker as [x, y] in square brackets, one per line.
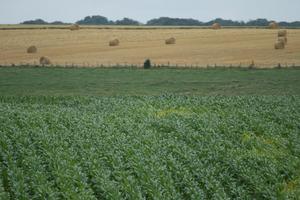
[170, 41]
[273, 25]
[114, 42]
[32, 49]
[282, 33]
[216, 26]
[282, 39]
[279, 45]
[45, 61]
[74, 27]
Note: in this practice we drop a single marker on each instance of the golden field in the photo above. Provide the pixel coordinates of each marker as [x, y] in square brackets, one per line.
[193, 46]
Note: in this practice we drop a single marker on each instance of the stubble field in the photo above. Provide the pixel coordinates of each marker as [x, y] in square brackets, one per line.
[200, 47]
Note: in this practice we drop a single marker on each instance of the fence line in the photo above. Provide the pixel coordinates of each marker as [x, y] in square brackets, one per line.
[154, 65]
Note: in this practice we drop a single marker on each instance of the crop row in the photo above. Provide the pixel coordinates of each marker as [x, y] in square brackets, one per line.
[167, 147]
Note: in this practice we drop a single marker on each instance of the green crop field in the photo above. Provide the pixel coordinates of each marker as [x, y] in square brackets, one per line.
[166, 147]
[119, 82]
[149, 134]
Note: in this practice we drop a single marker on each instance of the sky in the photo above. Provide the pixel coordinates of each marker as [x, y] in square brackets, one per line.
[16, 11]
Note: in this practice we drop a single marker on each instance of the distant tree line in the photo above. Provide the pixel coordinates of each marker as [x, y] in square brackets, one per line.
[167, 21]
[42, 22]
[100, 20]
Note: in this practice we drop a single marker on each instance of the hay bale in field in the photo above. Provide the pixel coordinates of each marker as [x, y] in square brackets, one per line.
[45, 61]
[114, 42]
[74, 27]
[280, 45]
[273, 25]
[216, 26]
[282, 33]
[170, 41]
[282, 39]
[32, 49]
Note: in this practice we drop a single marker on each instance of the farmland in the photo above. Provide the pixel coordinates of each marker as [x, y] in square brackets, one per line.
[32, 81]
[112, 133]
[164, 147]
[116, 132]
[149, 100]
[201, 47]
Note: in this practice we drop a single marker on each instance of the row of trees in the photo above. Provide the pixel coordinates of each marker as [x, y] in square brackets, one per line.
[89, 20]
[167, 21]
[100, 20]
[42, 22]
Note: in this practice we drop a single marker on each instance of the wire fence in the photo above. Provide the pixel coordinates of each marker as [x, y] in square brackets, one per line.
[154, 65]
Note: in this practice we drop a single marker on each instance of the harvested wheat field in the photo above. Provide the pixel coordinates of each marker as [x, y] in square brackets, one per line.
[193, 47]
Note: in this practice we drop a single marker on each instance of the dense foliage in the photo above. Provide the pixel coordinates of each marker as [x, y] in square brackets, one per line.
[167, 147]
[147, 64]
[36, 21]
[168, 21]
[127, 21]
[42, 22]
[95, 20]
[100, 20]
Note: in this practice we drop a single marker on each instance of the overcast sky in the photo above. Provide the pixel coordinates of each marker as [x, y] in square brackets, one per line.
[15, 11]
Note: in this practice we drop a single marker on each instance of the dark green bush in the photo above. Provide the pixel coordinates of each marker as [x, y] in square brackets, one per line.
[147, 64]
